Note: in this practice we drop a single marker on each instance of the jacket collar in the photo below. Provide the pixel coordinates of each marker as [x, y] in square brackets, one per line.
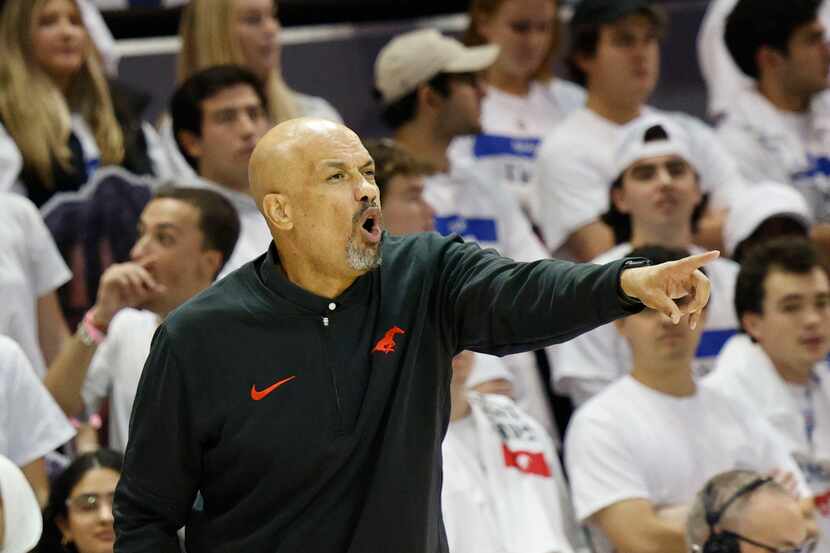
[273, 277]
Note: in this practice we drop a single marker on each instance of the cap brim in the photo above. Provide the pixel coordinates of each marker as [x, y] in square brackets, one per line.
[473, 59]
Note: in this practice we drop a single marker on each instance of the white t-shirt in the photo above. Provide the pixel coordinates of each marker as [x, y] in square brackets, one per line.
[575, 165]
[800, 415]
[31, 423]
[787, 148]
[591, 361]
[504, 490]
[254, 235]
[116, 368]
[513, 129]
[721, 74]
[30, 267]
[632, 442]
[468, 202]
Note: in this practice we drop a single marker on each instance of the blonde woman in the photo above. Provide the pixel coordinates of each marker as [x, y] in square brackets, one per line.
[246, 33]
[524, 100]
[57, 114]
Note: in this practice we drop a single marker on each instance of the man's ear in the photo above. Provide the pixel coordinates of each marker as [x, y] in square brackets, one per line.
[618, 197]
[751, 323]
[484, 25]
[210, 262]
[190, 143]
[428, 97]
[277, 211]
[584, 62]
[768, 58]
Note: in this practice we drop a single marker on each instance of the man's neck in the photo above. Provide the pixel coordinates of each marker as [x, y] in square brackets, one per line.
[301, 272]
[421, 140]
[508, 83]
[673, 379]
[237, 185]
[614, 110]
[781, 99]
[670, 237]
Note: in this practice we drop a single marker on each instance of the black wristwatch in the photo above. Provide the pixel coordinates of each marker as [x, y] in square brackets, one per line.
[630, 263]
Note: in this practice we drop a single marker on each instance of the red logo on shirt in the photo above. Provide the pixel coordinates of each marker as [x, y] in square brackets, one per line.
[256, 396]
[823, 503]
[387, 343]
[526, 461]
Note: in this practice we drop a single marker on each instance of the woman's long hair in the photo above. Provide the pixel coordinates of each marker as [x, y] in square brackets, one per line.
[50, 540]
[206, 32]
[481, 9]
[35, 112]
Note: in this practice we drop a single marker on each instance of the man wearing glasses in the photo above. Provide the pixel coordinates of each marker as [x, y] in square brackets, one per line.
[745, 512]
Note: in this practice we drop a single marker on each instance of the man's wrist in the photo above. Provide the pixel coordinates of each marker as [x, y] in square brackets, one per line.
[630, 263]
[89, 333]
[98, 318]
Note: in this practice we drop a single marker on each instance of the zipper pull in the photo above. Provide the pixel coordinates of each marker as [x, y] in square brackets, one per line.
[325, 321]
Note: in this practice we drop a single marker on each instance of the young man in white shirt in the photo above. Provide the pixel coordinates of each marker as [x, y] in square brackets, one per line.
[638, 452]
[655, 201]
[777, 129]
[723, 79]
[779, 369]
[185, 236]
[431, 95]
[615, 53]
[218, 117]
[31, 424]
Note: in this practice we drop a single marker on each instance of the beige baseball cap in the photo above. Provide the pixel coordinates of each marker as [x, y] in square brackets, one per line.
[414, 58]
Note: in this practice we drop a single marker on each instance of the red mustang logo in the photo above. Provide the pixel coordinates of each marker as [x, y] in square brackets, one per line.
[387, 343]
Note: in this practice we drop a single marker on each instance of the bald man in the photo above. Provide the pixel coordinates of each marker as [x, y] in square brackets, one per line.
[306, 394]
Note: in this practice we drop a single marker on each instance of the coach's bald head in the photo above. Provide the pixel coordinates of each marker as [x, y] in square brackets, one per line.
[314, 183]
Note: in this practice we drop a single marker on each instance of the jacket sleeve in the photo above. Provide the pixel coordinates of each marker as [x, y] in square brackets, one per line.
[162, 463]
[492, 304]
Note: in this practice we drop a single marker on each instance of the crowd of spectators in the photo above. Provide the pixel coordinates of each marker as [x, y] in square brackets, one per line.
[639, 436]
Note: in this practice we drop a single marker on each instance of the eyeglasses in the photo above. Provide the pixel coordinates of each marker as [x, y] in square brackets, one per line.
[89, 502]
[806, 547]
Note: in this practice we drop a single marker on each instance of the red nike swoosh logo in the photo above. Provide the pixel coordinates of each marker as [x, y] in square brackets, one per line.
[256, 396]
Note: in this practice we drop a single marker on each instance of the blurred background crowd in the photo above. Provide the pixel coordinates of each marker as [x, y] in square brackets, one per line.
[586, 130]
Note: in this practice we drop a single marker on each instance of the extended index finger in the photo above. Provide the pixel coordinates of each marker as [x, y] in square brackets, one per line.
[697, 261]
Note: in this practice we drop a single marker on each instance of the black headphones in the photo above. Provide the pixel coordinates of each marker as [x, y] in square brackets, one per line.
[724, 542]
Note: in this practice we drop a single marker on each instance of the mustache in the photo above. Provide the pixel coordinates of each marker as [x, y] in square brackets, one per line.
[364, 206]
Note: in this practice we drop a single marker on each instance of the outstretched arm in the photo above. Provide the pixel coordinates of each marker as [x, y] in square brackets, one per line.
[492, 304]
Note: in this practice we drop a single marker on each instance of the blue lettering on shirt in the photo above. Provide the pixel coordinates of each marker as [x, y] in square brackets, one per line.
[712, 341]
[482, 230]
[494, 145]
[818, 166]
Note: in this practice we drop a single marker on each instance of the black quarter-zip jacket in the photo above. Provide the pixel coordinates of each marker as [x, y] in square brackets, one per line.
[314, 425]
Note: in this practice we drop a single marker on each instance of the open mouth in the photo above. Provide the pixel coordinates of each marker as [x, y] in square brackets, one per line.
[371, 226]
